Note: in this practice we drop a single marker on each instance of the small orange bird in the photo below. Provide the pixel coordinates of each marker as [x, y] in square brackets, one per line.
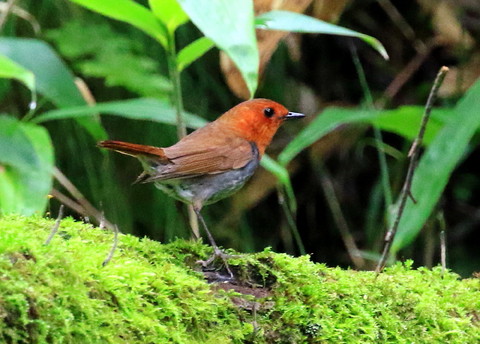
[214, 161]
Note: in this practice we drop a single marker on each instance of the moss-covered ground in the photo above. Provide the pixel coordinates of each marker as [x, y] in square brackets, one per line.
[154, 293]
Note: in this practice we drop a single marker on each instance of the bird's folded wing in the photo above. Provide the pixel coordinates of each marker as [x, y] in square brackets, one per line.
[216, 155]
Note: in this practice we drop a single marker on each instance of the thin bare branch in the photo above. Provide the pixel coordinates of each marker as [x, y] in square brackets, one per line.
[21, 13]
[5, 12]
[413, 154]
[342, 225]
[62, 198]
[114, 246]
[406, 74]
[443, 242]
[88, 208]
[55, 226]
[397, 18]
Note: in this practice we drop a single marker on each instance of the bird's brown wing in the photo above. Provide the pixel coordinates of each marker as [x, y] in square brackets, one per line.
[195, 156]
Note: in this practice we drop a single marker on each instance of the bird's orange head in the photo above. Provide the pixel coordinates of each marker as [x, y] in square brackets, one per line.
[257, 120]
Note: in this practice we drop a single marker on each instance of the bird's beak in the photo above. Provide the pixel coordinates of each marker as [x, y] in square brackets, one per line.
[293, 115]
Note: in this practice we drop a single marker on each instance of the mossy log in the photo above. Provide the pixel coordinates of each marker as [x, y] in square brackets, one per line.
[156, 293]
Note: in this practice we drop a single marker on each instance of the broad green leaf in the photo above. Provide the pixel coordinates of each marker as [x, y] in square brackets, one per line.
[404, 121]
[11, 70]
[437, 164]
[330, 119]
[140, 109]
[26, 165]
[230, 24]
[296, 22]
[193, 52]
[53, 79]
[130, 12]
[169, 12]
[15, 148]
[119, 62]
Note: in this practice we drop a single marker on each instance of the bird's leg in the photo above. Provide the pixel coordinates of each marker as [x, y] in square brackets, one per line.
[217, 252]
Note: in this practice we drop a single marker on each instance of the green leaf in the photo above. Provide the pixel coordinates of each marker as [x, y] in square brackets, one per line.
[230, 24]
[53, 79]
[437, 164]
[169, 12]
[130, 12]
[26, 165]
[15, 147]
[138, 74]
[139, 109]
[11, 70]
[296, 22]
[122, 62]
[193, 52]
[330, 119]
[282, 175]
[404, 121]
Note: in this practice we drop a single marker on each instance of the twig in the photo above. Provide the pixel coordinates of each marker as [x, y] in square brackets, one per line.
[340, 220]
[413, 155]
[429, 244]
[406, 74]
[101, 225]
[4, 14]
[443, 242]
[21, 13]
[397, 18]
[89, 209]
[443, 251]
[55, 226]
[291, 221]
[68, 202]
[114, 246]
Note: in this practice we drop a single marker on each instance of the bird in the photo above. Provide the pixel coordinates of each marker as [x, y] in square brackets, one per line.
[212, 162]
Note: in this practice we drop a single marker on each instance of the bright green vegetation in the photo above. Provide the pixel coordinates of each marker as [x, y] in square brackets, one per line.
[154, 293]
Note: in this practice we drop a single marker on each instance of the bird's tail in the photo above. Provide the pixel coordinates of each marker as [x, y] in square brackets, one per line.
[135, 150]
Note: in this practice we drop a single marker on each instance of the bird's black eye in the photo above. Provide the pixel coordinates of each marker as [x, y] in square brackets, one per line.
[269, 112]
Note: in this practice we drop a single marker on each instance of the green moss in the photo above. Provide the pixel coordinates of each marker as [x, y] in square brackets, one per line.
[152, 293]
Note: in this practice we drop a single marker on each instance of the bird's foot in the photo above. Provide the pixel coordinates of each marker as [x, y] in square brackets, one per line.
[218, 253]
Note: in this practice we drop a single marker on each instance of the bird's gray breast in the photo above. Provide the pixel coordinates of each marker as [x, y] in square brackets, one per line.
[211, 188]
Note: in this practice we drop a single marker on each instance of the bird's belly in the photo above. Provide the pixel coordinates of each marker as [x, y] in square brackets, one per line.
[209, 188]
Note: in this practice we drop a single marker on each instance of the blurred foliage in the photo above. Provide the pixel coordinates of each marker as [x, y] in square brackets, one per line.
[334, 151]
[122, 62]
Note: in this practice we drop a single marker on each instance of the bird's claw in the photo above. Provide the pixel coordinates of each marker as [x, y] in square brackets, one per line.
[217, 253]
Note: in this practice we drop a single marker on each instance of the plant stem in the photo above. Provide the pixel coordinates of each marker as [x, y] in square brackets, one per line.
[290, 220]
[177, 87]
[340, 220]
[178, 103]
[387, 193]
